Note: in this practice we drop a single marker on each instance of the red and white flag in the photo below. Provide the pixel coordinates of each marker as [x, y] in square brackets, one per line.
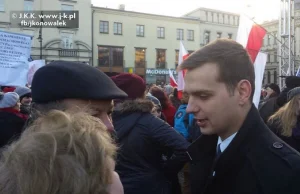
[173, 82]
[251, 36]
[183, 54]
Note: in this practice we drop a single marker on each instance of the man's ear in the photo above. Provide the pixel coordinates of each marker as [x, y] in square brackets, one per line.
[244, 89]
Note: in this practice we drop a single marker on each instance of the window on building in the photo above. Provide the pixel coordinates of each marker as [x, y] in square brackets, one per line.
[160, 32]
[206, 37]
[269, 77]
[2, 6]
[228, 19]
[179, 34]
[176, 58]
[275, 57]
[269, 58]
[110, 56]
[140, 30]
[219, 34]
[117, 28]
[65, 7]
[218, 18]
[67, 40]
[212, 16]
[103, 56]
[238, 20]
[140, 57]
[190, 35]
[275, 77]
[104, 27]
[28, 5]
[269, 39]
[160, 58]
[223, 17]
[206, 16]
[117, 56]
[275, 38]
[229, 36]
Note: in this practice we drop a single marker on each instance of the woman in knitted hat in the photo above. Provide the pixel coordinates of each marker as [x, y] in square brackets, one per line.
[25, 99]
[143, 140]
[167, 107]
[11, 120]
[285, 123]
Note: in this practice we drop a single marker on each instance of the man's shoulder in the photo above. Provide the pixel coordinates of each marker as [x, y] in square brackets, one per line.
[272, 157]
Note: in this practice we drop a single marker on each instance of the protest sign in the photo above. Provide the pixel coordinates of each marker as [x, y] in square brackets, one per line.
[14, 53]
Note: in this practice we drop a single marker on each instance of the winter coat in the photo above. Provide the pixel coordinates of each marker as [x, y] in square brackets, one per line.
[255, 162]
[169, 112]
[11, 126]
[268, 108]
[143, 140]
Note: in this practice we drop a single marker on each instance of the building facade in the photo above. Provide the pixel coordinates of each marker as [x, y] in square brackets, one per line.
[148, 44]
[57, 43]
[126, 41]
[271, 46]
[116, 40]
[215, 24]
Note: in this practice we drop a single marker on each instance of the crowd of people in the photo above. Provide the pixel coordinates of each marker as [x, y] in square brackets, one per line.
[77, 131]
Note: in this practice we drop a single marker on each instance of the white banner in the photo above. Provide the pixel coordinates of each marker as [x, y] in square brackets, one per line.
[14, 53]
[259, 67]
[33, 67]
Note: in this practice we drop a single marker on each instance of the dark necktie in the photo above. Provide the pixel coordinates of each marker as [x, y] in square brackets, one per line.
[219, 152]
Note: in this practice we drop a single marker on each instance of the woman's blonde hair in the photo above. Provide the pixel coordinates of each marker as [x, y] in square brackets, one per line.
[59, 154]
[286, 117]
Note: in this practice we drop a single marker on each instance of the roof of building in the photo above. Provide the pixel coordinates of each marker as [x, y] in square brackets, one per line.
[141, 13]
[269, 23]
[212, 10]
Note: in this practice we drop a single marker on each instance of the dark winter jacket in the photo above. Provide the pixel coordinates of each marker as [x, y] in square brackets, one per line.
[143, 140]
[255, 162]
[268, 108]
[11, 126]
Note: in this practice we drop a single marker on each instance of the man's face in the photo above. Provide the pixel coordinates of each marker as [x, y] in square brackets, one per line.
[101, 109]
[269, 91]
[26, 100]
[214, 108]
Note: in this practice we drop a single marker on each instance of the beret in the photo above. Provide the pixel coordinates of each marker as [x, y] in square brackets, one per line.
[60, 80]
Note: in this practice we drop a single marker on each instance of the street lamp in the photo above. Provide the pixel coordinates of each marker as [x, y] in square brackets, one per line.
[40, 38]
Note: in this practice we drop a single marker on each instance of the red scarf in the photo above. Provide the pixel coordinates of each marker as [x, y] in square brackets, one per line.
[14, 111]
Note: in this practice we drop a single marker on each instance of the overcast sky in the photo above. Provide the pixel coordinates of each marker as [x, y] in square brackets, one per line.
[262, 10]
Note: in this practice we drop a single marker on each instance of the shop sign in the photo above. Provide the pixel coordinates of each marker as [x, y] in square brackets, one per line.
[160, 71]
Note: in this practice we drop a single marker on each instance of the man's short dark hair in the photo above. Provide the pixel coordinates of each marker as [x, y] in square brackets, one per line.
[232, 59]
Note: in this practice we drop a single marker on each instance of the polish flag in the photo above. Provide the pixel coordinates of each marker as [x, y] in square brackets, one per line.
[173, 82]
[183, 54]
[251, 36]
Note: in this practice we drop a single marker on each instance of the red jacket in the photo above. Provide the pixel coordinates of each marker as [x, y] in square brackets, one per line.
[169, 113]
